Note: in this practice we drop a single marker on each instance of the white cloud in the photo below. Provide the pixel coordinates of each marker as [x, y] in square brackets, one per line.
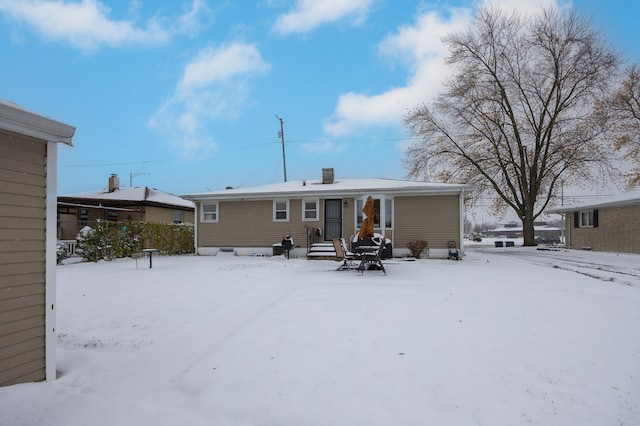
[219, 65]
[214, 86]
[419, 48]
[307, 15]
[87, 24]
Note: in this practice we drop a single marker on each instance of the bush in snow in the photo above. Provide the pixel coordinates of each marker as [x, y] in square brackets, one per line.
[110, 240]
[61, 252]
[416, 247]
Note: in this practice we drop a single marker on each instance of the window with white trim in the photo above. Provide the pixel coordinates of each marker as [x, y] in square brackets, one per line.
[586, 219]
[209, 212]
[280, 210]
[385, 214]
[310, 210]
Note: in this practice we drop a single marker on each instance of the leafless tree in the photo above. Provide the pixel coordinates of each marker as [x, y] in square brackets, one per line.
[624, 105]
[517, 114]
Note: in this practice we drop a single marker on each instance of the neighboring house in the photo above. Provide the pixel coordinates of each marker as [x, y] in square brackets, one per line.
[251, 220]
[609, 224]
[28, 180]
[76, 211]
[542, 231]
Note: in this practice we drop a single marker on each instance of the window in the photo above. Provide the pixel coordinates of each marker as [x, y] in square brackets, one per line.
[310, 209]
[209, 212]
[586, 219]
[280, 210]
[386, 214]
[177, 216]
[84, 217]
[112, 216]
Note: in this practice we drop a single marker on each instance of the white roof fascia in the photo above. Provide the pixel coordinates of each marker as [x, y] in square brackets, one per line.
[326, 190]
[615, 201]
[22, 121]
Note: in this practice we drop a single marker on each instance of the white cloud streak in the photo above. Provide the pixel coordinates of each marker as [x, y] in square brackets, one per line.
[308, 15]
[419, 48]
[214, 86]
[87, 25]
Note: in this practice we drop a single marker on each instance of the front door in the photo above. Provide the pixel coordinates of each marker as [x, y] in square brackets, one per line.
[332, 219]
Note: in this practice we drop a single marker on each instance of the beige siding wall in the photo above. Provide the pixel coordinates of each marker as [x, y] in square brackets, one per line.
[165, 215]
[22, 258]
[618, 231]
[435, 219]
[250, 223]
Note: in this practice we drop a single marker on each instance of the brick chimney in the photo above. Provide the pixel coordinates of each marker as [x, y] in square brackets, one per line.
[327, 176]
[114, 183]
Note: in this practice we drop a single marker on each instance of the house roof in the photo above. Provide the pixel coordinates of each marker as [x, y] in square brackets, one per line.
[20, 120]
[138, 195]
[619, 200]
[340, 187]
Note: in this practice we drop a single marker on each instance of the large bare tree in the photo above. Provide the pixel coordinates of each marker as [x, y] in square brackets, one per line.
[624, 105]
[517, 115]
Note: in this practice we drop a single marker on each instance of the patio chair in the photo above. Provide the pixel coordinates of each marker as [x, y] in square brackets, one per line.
[371, 257]
[349, 260]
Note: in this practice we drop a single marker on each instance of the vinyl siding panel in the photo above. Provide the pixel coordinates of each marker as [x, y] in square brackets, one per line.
[435, 219]
[250, 224]
[22, 258]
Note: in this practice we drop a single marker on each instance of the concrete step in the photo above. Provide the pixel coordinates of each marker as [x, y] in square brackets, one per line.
[322, 251]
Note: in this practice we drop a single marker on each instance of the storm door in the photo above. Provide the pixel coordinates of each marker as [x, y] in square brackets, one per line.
[332, 219]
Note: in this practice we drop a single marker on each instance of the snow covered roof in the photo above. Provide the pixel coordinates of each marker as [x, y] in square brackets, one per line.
[143, 194]
[341, 187]
[619, 200]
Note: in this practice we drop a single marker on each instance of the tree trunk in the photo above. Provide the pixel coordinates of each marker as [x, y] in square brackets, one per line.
[528, 233]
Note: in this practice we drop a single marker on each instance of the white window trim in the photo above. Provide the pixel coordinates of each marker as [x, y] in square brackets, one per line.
[589, 215]
[304, 210]
[275, 202]
[202, 212]
[383, 211]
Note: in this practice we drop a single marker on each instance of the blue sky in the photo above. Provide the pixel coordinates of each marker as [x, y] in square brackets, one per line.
[184, 94]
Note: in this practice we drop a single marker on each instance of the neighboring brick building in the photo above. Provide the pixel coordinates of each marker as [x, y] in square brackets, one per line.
[117, 204]
[609, 224]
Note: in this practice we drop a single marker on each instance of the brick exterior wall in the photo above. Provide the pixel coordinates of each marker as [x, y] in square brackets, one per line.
[618, 231]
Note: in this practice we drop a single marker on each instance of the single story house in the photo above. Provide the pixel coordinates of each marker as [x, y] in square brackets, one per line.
[145, 204]
[28, 184]
[542, 231]
[608, 224]
[252, 220]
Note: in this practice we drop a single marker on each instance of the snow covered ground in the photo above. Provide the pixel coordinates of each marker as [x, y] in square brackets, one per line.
[512, 336]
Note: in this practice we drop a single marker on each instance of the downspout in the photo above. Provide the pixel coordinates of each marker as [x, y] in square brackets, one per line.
[461, 221]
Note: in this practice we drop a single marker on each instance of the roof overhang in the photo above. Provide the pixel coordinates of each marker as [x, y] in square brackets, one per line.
[614, 202]
[19, 120]
[93, 206]
[314, 190]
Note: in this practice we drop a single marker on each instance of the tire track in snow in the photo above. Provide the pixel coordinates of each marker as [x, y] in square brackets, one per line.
[568, 261]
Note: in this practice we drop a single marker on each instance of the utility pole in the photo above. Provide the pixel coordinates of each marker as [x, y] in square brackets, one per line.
[281, 134]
